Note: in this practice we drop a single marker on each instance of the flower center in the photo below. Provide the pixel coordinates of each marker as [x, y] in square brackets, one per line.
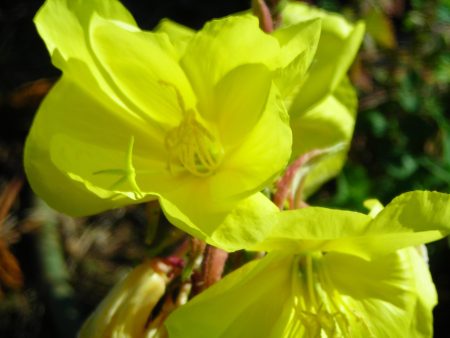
[193, 146]
[320, 309]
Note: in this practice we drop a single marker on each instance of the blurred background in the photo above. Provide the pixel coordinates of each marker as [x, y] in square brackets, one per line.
[55, 269]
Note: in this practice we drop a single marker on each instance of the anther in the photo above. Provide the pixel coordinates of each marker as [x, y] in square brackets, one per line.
[193, 146]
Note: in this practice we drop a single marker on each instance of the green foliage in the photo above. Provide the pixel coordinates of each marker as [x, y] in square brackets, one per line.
[402, 134]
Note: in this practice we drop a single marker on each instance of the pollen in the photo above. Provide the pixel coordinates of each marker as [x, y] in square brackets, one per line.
[193, 146]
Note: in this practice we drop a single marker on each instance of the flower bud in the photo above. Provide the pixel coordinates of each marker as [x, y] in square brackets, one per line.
[126, 309]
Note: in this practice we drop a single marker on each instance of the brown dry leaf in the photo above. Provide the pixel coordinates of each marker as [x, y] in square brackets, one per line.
[8, 196]
[30, 94]
[10, 273]
[360, 77]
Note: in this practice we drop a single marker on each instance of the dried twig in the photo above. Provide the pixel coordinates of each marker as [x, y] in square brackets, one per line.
[10, 273]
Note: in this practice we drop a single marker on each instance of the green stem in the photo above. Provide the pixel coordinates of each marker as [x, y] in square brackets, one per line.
[54, 277]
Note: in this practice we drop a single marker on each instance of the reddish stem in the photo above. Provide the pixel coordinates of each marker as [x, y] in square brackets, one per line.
[284, 187]
[262, 11]
[213, 266]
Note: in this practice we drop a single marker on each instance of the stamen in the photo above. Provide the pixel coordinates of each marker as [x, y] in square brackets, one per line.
[194, 147]
[191, 144]
[319, 308]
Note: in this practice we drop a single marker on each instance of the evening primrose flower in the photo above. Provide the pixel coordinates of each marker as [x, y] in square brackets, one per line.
[323, 106]
[329, 273]
[126, 309]
[321, 102]
[198, 123]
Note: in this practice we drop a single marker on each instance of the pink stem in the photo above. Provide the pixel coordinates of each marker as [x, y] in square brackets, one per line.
[213, 266]
[284, 185]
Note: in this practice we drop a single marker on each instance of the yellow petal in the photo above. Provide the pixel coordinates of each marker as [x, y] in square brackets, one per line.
[266, 149]
[338, 44]
[313, 229]
[329, 124]
[410, 219]
[179, 35]
[247, 224]
[326, 74]
[240, 101]
[392, 295]
[298, 47]
[251, 302]
[64, 26]
[143, 66]
[74, 16]
[70, 113]
[220, 46]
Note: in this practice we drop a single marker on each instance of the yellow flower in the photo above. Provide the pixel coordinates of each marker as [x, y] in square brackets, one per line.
[321, 101]
[323, 107]
[198, 123]
[329, 273]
